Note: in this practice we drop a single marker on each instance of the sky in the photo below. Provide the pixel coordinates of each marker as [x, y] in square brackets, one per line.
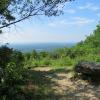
[78, 21]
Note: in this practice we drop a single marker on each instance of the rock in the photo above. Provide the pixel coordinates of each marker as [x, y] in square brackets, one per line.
[88, 68]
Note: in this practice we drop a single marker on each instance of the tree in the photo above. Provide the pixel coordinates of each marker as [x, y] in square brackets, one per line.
[12, 72]
[5, 55]
[94, 39]
[34, 54]
[14, 11]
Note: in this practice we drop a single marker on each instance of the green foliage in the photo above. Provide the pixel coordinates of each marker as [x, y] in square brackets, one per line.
[11, 70]
[63, 62]
[94, 39]
[27, 56]
[5, 55]
[35, 63]
[45, 62]
[43, 54]
[34, 54]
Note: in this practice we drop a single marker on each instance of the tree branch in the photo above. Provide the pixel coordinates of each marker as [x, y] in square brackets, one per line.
[18, 20]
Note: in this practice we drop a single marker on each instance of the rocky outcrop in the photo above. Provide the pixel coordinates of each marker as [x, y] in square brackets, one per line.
[88, 68]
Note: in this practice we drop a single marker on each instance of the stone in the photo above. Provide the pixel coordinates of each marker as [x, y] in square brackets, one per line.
[88, 68]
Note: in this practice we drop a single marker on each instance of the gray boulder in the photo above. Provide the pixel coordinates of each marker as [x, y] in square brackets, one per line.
[88, 68]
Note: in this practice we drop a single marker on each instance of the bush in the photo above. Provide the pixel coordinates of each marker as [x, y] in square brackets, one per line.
[12, 68]
[35, 63]
[45, 62]
[97, 58]
[63, 62]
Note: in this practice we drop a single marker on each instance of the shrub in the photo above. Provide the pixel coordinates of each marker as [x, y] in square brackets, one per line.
[63, 62]
[45, 62]
[12, 68]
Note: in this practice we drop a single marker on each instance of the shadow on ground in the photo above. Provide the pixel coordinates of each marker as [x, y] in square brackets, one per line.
[55, 84]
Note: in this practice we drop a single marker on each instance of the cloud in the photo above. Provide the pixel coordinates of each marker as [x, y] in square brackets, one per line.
[98, 14]
[26, 36]
[74, 21]
[70, 11]
[58, 23]
[37, 36]
[80, 21]
[89, 6]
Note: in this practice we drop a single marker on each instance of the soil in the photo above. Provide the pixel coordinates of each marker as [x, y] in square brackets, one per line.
[62, 84]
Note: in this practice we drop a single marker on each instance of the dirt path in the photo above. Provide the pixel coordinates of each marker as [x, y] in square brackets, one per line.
[57, 82]
[62, 80]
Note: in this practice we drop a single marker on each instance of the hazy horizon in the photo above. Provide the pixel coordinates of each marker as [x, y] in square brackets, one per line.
[40, 46]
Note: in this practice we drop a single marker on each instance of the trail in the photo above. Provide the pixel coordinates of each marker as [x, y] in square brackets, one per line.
[58, 82]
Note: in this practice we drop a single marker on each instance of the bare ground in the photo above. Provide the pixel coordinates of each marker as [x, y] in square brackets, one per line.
[46, 83]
